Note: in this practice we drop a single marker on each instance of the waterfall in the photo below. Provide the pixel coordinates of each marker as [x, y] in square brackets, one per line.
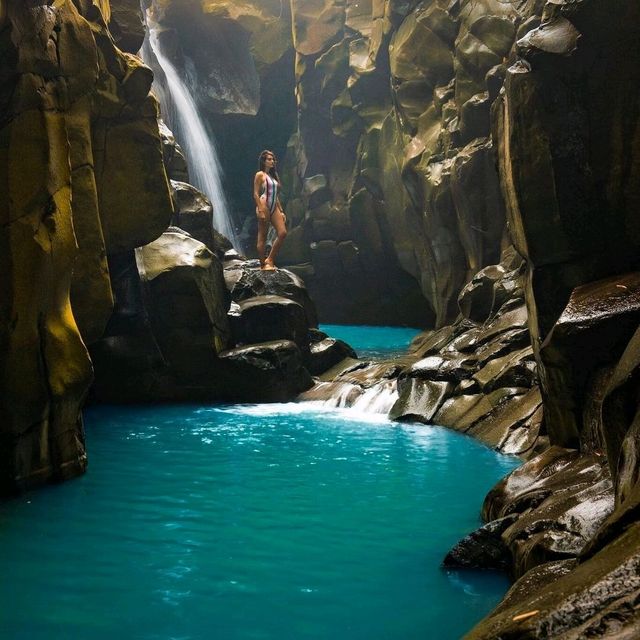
[182, 116]
[376, 399]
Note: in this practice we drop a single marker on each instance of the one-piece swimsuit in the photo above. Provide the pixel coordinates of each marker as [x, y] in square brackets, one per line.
[269, 192]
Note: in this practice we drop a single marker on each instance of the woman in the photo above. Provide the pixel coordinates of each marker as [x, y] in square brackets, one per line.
[266, 186]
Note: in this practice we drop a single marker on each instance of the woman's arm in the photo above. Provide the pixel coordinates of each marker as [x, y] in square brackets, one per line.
[261, 207]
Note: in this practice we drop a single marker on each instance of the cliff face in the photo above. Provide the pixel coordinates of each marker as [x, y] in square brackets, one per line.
[82, 175]
[567, 128]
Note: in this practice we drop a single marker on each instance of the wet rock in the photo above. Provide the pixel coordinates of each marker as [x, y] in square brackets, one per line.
[419, 399]
[194, 214]
[482, 549]
[337, 394]
[517, 369]
[461, 412]
[501, 345]
[327, 353]
[268, 372]
[172, 155]
[430, 342]
[596, 599]
[476, 298]
[515, 425]
[187, 301]
[169, 324]
[592, 332]
[244, 280]
[267, 318]
[561, 497]
[534, 580]
[447, 367]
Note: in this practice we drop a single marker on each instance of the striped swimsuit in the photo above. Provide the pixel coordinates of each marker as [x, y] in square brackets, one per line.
[269, 192]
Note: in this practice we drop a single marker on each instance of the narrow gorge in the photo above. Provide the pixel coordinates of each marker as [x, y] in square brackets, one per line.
[466, 168]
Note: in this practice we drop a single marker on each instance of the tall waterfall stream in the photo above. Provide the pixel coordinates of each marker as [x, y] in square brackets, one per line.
[183, 118]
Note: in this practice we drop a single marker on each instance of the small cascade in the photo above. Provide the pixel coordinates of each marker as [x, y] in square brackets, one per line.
[332, 394]
[376, 399]
[182, 116]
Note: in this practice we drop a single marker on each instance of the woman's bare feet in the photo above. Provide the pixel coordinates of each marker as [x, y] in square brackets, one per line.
[268, 265]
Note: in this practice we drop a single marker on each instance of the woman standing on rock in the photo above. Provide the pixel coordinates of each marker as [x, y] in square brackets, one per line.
[266, 186]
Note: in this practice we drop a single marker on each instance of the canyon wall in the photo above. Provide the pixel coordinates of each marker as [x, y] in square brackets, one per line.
[567, 128]
[82, 176]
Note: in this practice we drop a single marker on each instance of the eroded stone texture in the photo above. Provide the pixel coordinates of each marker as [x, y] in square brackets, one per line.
[595, 599]
[480, 377]
[79, 147]
[568, 146]
[566, 127]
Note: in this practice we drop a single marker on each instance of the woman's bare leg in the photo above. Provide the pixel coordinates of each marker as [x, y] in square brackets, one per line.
[263, 227]
[278, 220]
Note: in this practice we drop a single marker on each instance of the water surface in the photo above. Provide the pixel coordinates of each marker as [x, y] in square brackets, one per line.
[245, 522]
[374, 343]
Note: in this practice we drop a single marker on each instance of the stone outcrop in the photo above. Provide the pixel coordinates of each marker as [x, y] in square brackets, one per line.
[83, 177]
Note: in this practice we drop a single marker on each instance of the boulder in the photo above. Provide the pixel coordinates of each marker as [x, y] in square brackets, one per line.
[326, 353]
[244, 280]
[267, 318]
[419, 399]
[482, 549]
[194, 214]
[267, 372]
[561, 498]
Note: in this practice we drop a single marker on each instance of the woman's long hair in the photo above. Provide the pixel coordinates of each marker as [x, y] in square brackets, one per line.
[261, 160]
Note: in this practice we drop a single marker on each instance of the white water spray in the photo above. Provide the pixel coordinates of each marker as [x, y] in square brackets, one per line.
[344, 395]
[181, 113]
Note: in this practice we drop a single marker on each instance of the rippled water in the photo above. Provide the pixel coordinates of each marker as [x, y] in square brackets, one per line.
[373, 343]
[245, 522]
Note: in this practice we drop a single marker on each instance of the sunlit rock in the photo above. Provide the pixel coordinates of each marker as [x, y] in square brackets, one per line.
[81, 153]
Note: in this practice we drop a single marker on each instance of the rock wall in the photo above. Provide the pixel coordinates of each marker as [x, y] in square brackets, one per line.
[394, 123]
[567, 129]
[82, 174]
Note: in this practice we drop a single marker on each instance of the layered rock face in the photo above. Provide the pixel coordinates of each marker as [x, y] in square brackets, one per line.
[567, 127]
[393, 151]
[82, 176]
